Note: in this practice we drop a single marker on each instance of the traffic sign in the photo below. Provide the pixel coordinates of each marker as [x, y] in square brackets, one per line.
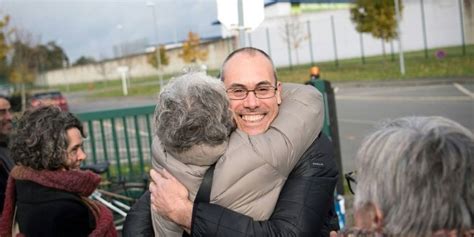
[228, 14]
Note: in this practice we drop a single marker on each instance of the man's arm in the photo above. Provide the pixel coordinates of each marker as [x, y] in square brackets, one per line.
[302, 207]
[138, 221]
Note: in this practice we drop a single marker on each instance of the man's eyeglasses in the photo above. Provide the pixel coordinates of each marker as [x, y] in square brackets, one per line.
[351, 179]
[261, 92]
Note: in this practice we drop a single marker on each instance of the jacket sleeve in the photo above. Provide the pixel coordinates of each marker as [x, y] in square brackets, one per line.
[138, 221]
[299, 121]
[303, 207]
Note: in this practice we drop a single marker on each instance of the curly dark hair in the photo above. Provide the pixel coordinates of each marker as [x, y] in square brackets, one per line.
[40, 140]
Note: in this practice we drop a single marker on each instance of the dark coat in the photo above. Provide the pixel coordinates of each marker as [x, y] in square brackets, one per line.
[304, 207]
[43, 211]
[6, 164]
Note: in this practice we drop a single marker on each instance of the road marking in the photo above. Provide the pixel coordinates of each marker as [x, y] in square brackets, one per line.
[406, 98]
[357, 121]
[374, 91]
[463, 90]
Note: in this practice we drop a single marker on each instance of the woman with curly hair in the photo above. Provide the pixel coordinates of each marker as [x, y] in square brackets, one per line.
[46, 187]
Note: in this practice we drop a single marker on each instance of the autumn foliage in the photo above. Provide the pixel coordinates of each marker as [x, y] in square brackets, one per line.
[192, 50]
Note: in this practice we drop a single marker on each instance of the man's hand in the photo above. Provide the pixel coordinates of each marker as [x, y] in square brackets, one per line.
[169, 198]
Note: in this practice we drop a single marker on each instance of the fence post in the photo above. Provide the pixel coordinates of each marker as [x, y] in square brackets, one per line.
[461, 16]
[424, 28]
[269, 46]
[289, 45]
[392, 53]
[310, 42]
[362, 48]
[334, 41]
[250, 39]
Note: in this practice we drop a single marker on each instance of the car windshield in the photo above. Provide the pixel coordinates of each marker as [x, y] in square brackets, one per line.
[48, 95]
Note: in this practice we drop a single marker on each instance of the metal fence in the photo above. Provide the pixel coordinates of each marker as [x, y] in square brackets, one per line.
[121, 137]
[331, 35]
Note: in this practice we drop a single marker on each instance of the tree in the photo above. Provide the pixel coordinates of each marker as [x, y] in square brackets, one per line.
[164, 59]
[293, 33]
[376, 17]
[52, 55]
[83, 60]
[5, 48]
[192, 51]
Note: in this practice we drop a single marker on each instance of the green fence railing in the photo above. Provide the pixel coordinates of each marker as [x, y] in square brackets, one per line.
[121, 137]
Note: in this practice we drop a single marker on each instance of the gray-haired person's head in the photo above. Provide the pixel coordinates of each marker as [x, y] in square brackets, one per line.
[418, 172]
[193, 110]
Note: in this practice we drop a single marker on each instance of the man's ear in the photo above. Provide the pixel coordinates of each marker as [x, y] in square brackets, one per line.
[369, 217]
[278, 92]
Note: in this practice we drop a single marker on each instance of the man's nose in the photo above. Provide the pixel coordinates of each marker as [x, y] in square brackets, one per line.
[251, 101]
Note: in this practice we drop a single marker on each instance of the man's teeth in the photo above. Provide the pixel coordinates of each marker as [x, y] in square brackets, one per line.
[252, 118]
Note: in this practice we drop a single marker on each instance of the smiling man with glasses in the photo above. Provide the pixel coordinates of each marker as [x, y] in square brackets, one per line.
[246, 71]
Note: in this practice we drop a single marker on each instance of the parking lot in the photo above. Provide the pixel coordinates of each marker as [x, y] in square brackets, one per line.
[361, 108]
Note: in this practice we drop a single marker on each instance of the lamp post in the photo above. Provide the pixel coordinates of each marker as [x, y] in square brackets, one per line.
[65, 64]
[123, 69]
[157, 52]
[400, 47]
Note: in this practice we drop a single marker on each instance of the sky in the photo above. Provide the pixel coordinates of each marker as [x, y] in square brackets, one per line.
[93, 27]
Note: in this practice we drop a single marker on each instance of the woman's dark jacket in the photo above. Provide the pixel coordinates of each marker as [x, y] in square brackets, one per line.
[43, 211]
[6, 164]
[304, 207]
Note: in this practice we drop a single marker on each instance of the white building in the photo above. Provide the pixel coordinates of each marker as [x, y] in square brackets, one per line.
[326, 31]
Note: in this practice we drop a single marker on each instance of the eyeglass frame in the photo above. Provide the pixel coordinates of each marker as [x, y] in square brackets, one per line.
[275, 88]
[350, 178]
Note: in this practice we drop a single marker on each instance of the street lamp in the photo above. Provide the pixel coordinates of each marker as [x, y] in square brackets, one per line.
[157, 53]
[65, 64]
[121, 43]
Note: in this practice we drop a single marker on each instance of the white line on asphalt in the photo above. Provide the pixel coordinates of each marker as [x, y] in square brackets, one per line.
[406, 98]
[357, 121]
[463, 90]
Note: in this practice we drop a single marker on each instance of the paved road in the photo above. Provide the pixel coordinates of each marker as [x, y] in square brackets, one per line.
[359, 109]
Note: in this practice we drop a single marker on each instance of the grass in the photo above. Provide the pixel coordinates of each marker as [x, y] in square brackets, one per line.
[375, 68]
[386, 68]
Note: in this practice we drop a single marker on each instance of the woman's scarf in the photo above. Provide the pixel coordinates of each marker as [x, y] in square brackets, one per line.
[80, 182]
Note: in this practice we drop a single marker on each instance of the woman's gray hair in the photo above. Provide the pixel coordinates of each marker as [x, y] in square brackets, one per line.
[419, 172]
[193, 109]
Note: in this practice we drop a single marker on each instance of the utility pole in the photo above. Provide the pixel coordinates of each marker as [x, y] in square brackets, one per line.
[399, 32]
[157, 47]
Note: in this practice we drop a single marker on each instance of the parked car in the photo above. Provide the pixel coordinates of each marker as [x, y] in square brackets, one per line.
[49, 98]
[6, 90]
